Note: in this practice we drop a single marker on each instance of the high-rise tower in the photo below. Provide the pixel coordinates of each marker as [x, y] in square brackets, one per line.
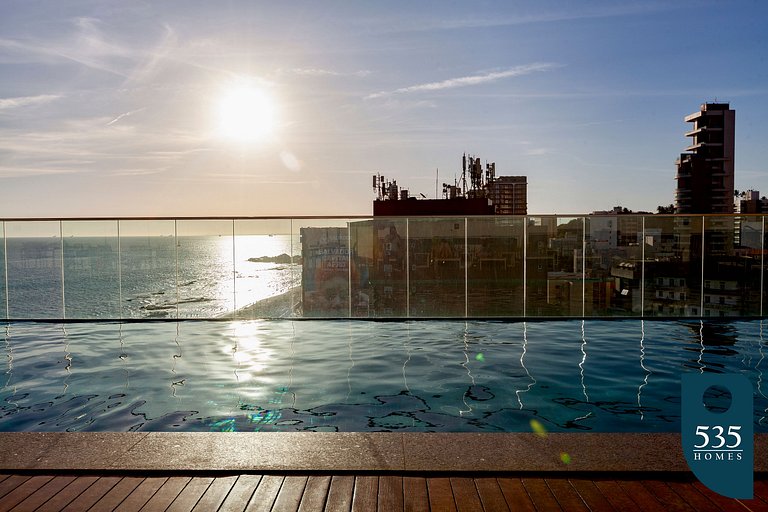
[705, 171]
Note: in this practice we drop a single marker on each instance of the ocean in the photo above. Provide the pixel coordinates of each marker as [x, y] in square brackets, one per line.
[137, 277]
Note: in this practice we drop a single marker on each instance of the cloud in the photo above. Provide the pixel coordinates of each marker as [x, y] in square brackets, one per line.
[574, 12]
[126, 114]
[9, 171]
[85, 43]
[323, 72]
[25, 101]
[465, 81]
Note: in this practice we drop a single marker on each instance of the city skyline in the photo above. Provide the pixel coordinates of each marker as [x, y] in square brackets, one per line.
[242, 108]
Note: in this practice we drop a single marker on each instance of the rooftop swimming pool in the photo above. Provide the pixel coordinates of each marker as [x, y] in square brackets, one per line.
[362, 376]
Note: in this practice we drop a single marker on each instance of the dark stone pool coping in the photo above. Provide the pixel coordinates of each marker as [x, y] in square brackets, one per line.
[297, 451]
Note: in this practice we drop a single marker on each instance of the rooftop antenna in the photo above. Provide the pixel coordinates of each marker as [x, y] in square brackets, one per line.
[464, 174]
[437, 178]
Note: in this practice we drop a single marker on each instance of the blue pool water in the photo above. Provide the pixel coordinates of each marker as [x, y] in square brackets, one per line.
[282, 375]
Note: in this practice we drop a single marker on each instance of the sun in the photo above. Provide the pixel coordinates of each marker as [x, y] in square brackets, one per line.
[246, 113]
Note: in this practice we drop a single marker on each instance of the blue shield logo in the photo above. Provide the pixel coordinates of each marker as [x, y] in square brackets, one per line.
[717, 438]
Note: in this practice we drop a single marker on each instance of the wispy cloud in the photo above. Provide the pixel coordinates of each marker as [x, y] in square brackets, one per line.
[323, 72]
[26, 101]
[9, 171]
[577, 12]
[126, 114]
[84, 43]
[465, 81]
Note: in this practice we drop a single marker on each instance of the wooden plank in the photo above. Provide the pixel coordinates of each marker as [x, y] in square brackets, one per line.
[23, 491]
[215, 494]
[441, 494]
[692, 496]
[465, 494]
[141, 495]
[759, 501]
[616, 496]
[289, 497]
[760, 492]
[755, 505]
[591, 495]
[10, 483]
[65, 496]
[641, 495]
[190, 495]
[241, 493]
[541, 496]
[566, 495]
[3, 477]
[490, 494]
[116, 495]
[168, 492]
[515, 494]
[265, 494]
[669, 498]
[92, 494]
[315, 493]
[365, 494]
[415, 495]
[721, 502]
[44, 493]
[340, 493]
[390, 493]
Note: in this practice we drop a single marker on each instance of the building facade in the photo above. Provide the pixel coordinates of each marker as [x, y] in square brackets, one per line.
[705, 172]
[509, 195]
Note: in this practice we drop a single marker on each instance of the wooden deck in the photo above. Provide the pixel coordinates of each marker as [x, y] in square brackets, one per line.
[35, 491]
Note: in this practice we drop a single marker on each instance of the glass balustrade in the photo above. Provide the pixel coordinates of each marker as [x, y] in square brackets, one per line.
[544, 266]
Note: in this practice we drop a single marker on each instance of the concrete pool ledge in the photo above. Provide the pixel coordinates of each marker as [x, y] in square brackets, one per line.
[316, 451]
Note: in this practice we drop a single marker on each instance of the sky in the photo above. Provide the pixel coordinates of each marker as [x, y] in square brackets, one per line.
[249, 108]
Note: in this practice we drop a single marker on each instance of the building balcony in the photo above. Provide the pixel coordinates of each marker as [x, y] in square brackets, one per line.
[700, 145]
[692, 117]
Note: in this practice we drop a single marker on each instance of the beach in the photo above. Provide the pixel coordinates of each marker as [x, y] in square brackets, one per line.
[284, 305]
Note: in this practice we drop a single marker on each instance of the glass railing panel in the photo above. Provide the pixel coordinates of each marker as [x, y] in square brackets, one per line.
[437, 254]
[267, 269]
[91, 269]
[764, 268]
[205, 253]
[3, 291]
[379, 274]
[325, 269]
[495, 266]
[34, 269]
[554, 266]
[672, 249]
[613, 265]
[732, 250]
[148, 268]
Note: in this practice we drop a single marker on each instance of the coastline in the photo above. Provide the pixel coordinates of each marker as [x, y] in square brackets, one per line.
[284, 305]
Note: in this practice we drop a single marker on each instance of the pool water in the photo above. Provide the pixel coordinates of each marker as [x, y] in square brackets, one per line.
[318, 375]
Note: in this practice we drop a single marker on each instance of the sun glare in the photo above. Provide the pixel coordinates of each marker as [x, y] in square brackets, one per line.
[246, 113]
